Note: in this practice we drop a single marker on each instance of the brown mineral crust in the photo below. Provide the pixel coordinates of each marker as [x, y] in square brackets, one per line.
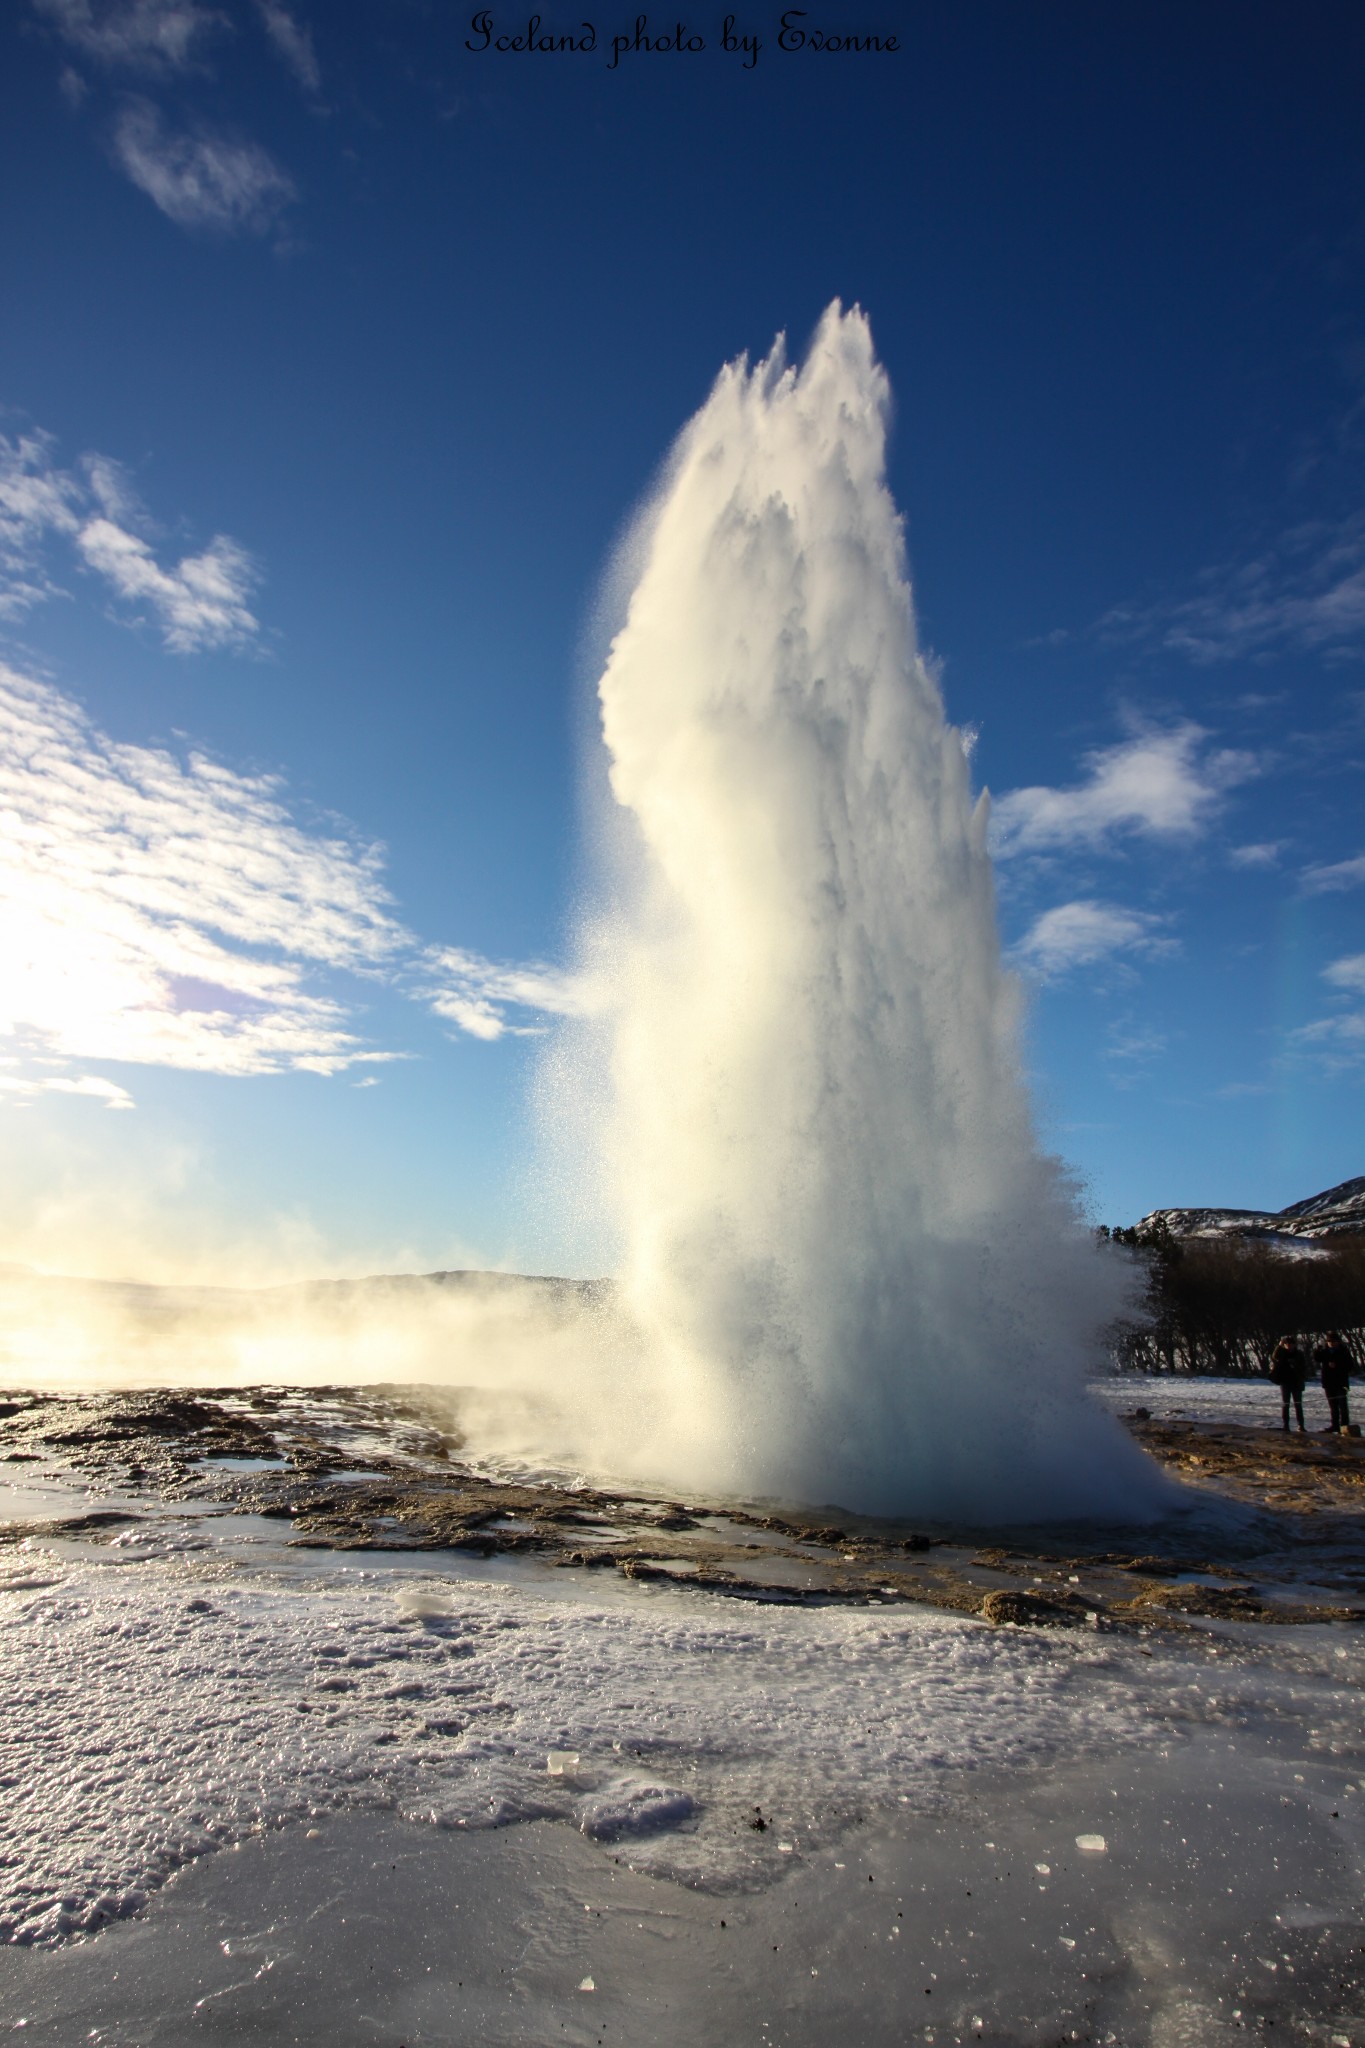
[372, 1469]
[1311, 1473]
[1034, 1610]
[1229, 1603]
[96, 1524]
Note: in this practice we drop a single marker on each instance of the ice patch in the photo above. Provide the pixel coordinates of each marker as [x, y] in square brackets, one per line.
[155, 1714]
[626, 1806]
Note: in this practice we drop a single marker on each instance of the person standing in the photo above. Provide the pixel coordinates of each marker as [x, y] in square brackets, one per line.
[1289, 1370]
[1334, 1365]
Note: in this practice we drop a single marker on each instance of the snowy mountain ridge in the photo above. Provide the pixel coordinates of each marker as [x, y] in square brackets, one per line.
[1335, 1212]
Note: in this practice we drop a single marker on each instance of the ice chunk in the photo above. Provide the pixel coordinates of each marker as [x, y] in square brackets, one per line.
[633, 1806]
[420, 1604]
[561, 1763]
[587, 1985]
[1093, 1845]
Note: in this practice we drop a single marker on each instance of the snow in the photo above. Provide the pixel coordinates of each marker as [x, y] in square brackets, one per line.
[1339, 1209]
[163, 1706]
[1193, 1398]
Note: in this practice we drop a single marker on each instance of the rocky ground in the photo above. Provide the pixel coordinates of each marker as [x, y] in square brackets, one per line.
[320, 1728]
[1272, 1529]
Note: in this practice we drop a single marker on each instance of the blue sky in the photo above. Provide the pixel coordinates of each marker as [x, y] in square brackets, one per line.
[335, 358]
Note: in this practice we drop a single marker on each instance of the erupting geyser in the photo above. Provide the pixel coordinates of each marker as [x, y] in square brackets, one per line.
[848, 1272]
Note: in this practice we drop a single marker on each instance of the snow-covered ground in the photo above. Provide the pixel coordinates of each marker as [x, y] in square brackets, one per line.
[163, 1707]
[1195, 1398]
[484, 1801]
[195, 1679]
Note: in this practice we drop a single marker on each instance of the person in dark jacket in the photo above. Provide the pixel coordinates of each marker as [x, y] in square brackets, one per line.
[1334, 1365]
[1289, 1370]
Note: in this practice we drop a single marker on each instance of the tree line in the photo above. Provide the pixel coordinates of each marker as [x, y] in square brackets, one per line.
[1221, 1305]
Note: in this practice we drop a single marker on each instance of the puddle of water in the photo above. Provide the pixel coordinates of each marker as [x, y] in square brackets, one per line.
[241, 1464]
[744, 1537]
[43, 1500]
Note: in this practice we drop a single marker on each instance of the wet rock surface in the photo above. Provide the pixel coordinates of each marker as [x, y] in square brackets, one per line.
[1272, 1527]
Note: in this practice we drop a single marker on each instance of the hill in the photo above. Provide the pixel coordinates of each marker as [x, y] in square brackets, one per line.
[1336, 1213]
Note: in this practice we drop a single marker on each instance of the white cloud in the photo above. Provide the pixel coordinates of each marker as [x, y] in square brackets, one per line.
[1265, 855]
[146, 35]
[36, 498]
[1337, 1043]
[476, 994]
[1136, 1044]
[1341, 874]
[201, 180]
[24, 1088]
[292, 41]
[1157, 784]
[107, 1092]
[1348, 974]
[167, 912]
[1307, 592]
[200, 602]
[113, 490]
[1076, 934]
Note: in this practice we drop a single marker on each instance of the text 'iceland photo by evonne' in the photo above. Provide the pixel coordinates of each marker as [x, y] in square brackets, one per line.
[791, 32]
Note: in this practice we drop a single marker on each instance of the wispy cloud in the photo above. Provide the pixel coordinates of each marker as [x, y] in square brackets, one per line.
[1348, 974]
[292, 41]
[1136, 1044]
[1158, 785]
[198, 603]
[1340, 874]
[1080, 933]
[1306, 593]
[1133, 1049]
[478, 994]
[1266, 854]
[169, 912]
[36, 499]
[164, 911]
[27, 1088]
[141, 35]
[202, 179]
[1336, 1043]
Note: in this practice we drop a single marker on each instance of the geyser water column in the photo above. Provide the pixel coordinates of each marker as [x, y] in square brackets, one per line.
[848, 1273]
